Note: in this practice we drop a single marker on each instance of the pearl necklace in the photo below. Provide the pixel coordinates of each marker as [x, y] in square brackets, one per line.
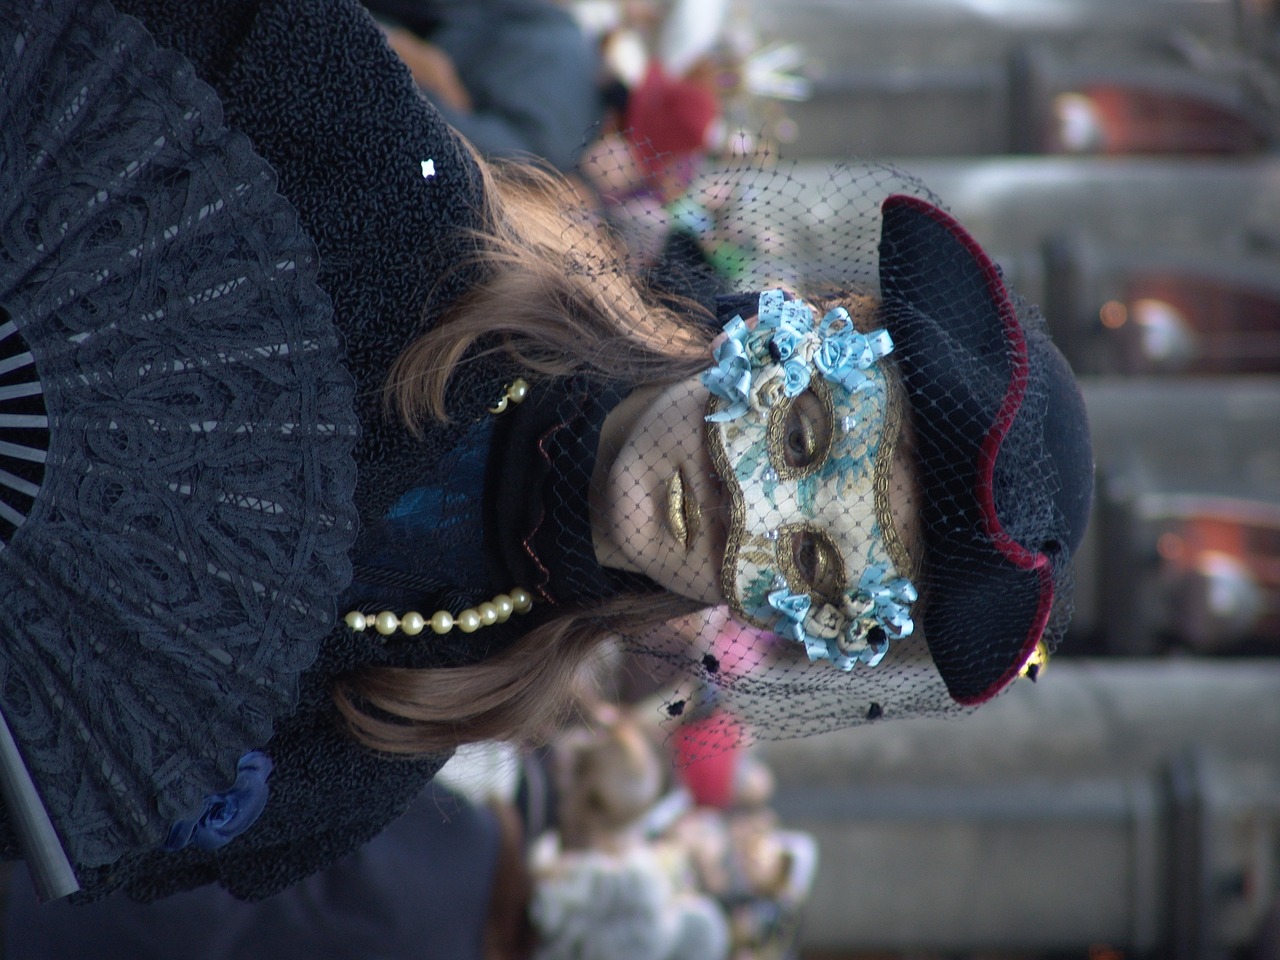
[497, 610]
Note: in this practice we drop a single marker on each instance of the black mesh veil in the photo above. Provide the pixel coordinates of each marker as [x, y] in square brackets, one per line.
[976, 483]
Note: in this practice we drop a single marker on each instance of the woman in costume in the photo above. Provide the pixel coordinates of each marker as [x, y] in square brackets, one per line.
[328, 447]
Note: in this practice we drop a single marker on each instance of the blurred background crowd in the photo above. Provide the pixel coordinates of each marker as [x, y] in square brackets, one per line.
[1119, 159]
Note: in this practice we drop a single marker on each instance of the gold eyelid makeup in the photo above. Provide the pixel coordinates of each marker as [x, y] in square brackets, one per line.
[825, 581]
[826, 578]
[816, 409]
[799, 453]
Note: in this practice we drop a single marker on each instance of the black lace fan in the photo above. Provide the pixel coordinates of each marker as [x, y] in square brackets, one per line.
[175, 432]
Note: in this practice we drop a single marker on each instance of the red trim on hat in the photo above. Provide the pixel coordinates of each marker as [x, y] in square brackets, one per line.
[1009, 548]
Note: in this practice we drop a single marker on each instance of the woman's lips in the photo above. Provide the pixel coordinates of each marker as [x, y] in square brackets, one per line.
[684, 514]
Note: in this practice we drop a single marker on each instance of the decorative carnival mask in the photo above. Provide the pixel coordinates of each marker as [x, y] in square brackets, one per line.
[802, 425]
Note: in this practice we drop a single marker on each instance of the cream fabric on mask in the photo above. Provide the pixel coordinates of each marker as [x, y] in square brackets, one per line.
[802, 426]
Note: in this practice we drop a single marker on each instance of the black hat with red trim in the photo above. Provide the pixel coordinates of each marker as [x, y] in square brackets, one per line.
[1001, 444]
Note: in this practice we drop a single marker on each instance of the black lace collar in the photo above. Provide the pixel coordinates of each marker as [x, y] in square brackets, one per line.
[537, 524]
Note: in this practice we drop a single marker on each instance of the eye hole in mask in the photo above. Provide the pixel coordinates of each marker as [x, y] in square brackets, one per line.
[816, 563]
[801, 433]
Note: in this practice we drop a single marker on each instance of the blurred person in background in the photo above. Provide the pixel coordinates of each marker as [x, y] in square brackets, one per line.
[444, 882]
[515, 77]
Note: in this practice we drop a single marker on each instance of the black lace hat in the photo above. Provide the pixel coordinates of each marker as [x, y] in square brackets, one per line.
[1001, 444]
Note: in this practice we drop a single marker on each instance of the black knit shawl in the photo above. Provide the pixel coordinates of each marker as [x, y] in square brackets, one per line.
[324, 101]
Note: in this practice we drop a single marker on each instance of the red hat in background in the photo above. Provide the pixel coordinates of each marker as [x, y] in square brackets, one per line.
[669, 118]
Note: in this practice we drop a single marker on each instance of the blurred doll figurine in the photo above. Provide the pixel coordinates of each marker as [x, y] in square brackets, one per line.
[621, 877]
[328, 447]
[716, 765]
[601, 888]
[759, 874]
[592, 905]
[609, 780]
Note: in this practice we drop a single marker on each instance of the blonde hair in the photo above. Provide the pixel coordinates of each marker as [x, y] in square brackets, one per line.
[559, 298]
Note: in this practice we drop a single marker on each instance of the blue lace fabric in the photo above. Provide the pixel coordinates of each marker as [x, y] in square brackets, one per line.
[181, 429]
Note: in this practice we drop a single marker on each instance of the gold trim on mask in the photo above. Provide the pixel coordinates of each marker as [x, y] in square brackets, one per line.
[883, 482]
[830, 568]
[776, 432]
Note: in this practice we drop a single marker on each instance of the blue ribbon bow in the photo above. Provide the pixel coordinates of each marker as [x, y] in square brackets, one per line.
[793, 607]
[845, 353]
[892, 599]
[889, 598]
[730, 378]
